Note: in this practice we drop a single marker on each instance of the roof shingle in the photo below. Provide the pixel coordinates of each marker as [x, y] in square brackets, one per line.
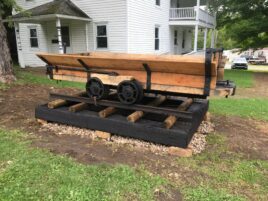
[60, 7]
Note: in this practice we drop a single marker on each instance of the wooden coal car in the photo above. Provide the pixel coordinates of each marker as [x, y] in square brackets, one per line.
[132, 75]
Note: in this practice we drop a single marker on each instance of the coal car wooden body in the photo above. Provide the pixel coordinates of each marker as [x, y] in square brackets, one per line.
[131, 75]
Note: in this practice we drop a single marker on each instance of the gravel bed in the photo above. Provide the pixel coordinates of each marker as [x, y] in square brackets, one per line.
[198, 143]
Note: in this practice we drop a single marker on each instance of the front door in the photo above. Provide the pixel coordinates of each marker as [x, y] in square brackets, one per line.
[66, 40]
[176, 47]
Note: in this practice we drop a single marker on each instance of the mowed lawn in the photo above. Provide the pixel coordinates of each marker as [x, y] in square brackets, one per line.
[255, 108]
[28, 173]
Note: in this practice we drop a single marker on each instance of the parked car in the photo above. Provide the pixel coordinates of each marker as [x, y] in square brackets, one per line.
[240, 63]
[247, 57]
[257, 61]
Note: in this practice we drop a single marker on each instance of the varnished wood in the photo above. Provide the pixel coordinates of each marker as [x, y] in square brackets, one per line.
[190, 65]
[157, 87]
[156, 78]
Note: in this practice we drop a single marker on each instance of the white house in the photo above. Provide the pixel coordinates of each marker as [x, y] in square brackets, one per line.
[130, 26]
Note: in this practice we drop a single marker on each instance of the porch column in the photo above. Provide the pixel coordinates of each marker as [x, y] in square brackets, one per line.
[58, 26]
[87, 39]
[213, 39]
[205, 38]
[196, 38]
[196, 26]
[197, 9]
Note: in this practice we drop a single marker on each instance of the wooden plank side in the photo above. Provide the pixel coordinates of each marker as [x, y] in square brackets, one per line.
[190, 65]
[158, 87]
[157, 78]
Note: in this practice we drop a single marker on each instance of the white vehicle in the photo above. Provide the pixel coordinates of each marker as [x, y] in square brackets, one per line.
[240, 63]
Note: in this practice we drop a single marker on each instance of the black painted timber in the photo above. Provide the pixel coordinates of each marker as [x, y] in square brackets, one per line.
[150, 128]
[117, 104]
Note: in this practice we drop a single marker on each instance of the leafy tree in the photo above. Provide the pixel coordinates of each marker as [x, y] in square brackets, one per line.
[6, 72]
[243, 22]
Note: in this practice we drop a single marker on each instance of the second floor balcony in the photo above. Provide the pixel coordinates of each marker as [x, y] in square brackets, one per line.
[192, 14]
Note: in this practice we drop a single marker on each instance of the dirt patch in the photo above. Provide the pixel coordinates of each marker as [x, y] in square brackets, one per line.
[18, 103]
[17, 112]
[245, 136]
[260, 88]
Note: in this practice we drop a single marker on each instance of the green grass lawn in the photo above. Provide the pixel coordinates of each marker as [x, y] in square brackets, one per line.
[30, 174]
[243, 79]
[247, 108]
[30, 78]
[223, 175]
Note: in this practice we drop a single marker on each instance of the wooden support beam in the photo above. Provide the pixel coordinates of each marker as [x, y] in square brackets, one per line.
[59, 103]
[134, 117]
[78, 107]
[107, 112]
[171, 120]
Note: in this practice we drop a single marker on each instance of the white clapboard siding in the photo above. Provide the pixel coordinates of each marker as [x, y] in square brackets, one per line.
[143, 16]
[110, 12]
[29, 54]
[130, 23]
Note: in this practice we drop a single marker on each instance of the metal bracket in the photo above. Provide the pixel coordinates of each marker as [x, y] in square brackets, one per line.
[208, 58]
[149, 76]
[49, 71]
[90, 70]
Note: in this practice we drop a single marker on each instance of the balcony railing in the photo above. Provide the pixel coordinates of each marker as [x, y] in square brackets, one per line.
[182, 13]
[189, 13]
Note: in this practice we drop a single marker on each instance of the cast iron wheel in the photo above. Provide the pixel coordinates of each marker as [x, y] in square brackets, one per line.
[129, 92]
[96, 89]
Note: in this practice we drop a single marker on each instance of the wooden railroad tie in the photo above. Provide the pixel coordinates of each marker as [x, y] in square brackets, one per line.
[107, 112]
[134, 117]
[59, 102]
[171, 120]
[78, 107]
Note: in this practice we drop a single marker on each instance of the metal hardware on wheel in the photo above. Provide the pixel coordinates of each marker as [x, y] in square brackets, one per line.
[129, 92]
[96, 89]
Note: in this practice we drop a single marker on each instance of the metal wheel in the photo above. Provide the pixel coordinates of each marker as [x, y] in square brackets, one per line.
[129, 92]
[95, 88]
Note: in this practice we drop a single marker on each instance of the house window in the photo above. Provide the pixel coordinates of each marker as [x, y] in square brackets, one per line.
[183, 39]
[33, 38]
[157, 2]
[102, 39]
[175, 37]
[157, 40]
[65, 34]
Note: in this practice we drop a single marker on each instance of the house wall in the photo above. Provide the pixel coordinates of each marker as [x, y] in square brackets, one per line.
[143, 17]
[110, 12]
[77, 31]
[130, 23]
[178, 49]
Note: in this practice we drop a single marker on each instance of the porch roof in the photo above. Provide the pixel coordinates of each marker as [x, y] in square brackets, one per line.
[65, 9]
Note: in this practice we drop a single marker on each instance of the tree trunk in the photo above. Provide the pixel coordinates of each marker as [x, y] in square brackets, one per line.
[6, 70]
